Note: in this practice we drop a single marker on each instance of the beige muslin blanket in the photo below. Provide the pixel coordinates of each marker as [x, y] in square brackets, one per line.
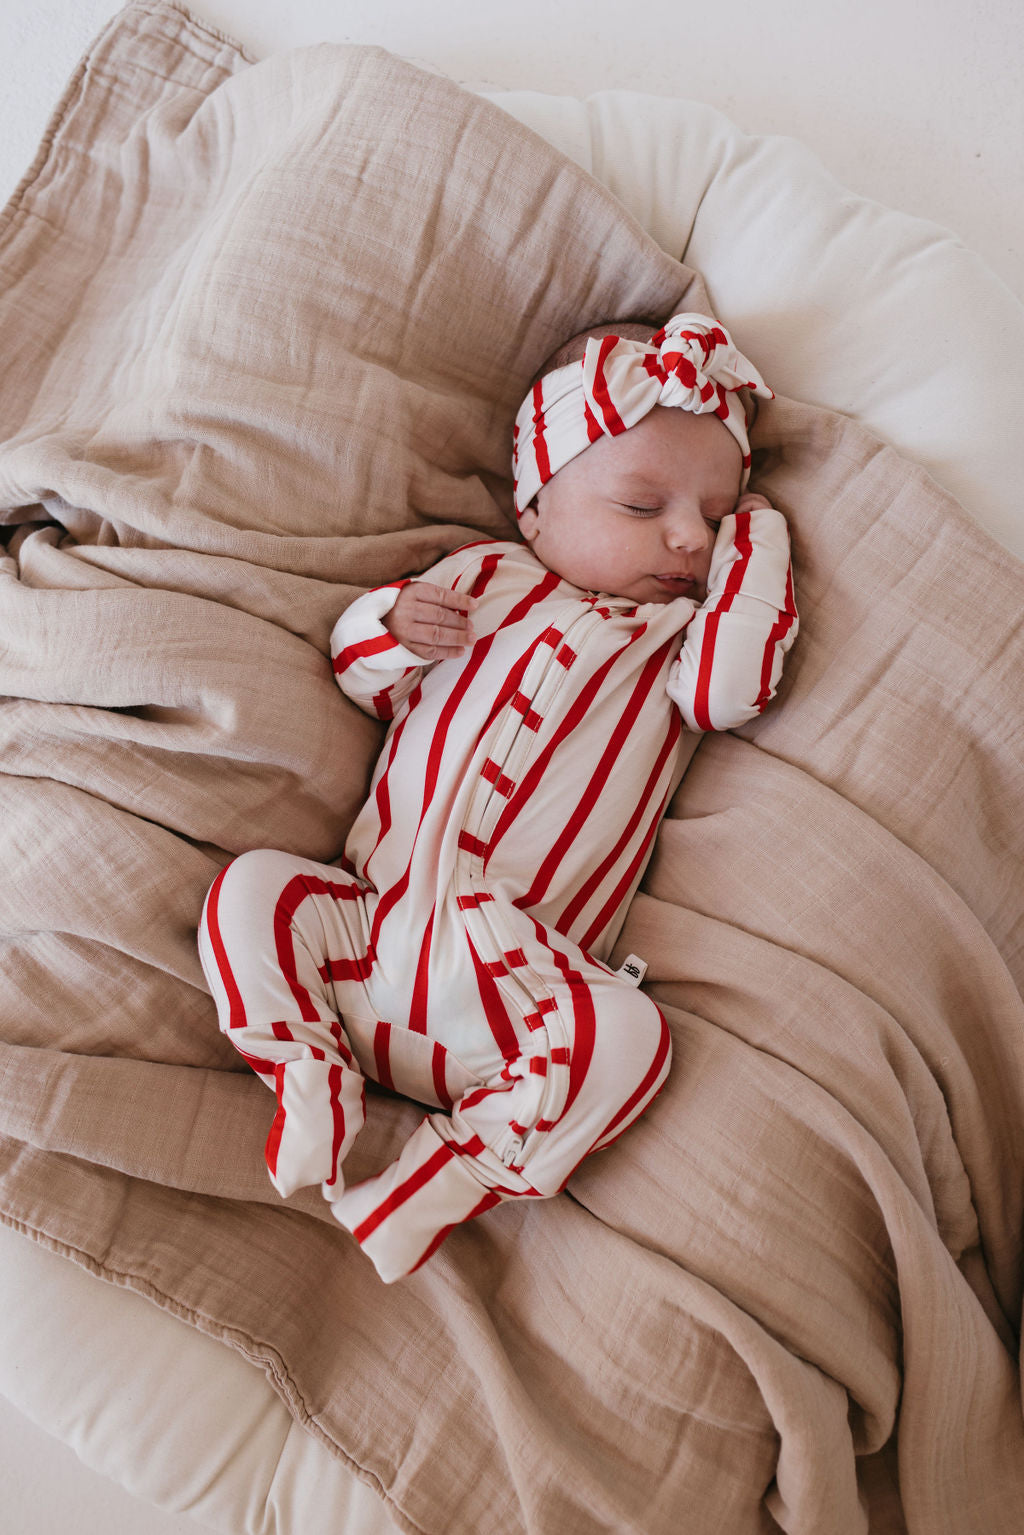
[264, 329]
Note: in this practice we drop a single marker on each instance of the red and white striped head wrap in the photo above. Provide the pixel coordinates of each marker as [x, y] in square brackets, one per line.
[691, 363]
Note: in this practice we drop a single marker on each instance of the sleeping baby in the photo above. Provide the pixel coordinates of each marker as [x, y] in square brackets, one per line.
[536, 694]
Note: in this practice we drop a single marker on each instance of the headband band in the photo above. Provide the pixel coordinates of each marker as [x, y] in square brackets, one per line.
[691, 363]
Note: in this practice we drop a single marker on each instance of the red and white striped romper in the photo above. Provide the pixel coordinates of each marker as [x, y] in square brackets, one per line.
[459, 955]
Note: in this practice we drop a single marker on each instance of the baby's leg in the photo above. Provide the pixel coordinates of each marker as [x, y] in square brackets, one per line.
[277, 936]
[595, 1052]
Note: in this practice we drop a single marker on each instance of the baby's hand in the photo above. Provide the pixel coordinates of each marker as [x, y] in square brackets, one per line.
[431, 621]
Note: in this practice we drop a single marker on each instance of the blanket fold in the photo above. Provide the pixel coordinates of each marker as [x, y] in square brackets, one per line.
[265, 329]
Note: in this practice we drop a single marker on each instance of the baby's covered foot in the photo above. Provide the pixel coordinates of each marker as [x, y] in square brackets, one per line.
[401, 1216]
[320, 1111]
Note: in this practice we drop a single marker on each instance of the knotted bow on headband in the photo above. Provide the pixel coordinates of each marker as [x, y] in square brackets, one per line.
[690, 363]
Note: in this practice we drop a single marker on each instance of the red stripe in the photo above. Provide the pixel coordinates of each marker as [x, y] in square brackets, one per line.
[584, 1027]
[471, 1146]
[540, 447]
[588, 800]
[470, 844]
[340, 1043]
[470, 1101]
[618, 895]
[382, 1054]
[403, 1192]
[382, 793]
[707, 652]
[334, 1077]
[575, 714]
[613, 422]
[236, 1007]
[421, 985]
[627, 1112]
[344, 969]
[780, 629]
[531, 719]
[584, 1032]
[611, 859]
[273, 1142]
[502, 783]
[510, 686]
[387, 902]
[458, 693]
[494, 1008]
[395, 892]
[260, 1065]
[290, 899]
[437, 1066]
[362, 648]
[383, 703]
[488, 566]
[297, 890]
[487, 1203]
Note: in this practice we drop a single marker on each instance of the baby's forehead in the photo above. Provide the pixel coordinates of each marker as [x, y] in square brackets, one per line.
[667, 441]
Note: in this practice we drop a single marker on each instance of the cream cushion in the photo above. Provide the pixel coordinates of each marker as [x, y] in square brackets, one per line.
[838, 300]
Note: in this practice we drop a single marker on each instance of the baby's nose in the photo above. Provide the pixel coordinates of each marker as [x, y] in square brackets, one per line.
[688, 530]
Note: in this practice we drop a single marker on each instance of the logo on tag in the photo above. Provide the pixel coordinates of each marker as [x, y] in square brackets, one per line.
[633, 969]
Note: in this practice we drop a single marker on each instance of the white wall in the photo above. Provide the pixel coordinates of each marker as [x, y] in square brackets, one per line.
[916, 103]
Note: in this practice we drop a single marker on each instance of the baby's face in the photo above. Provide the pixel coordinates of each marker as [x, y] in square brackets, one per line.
[636, 515]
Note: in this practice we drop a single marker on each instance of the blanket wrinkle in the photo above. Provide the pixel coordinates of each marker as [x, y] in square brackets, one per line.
[302, 606]
[265, 330]
[911, 951]
[947, 1307]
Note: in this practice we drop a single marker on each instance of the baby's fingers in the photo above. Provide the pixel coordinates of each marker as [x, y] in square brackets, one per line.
[750, 500]
[432, 621]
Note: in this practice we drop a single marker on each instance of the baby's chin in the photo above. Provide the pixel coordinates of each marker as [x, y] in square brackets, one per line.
[661, 590]
[659, 599]
[647, 590]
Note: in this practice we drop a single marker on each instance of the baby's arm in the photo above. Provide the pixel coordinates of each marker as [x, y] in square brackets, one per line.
[731, 660]
[382, 644]
[370, 666]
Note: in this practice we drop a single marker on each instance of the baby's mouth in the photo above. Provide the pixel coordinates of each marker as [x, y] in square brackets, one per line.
[679, 586]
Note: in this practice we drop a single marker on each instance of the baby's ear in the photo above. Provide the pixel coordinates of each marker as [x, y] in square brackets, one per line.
[529, 522]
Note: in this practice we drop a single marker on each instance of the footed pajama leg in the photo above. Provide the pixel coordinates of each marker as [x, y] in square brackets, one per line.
[276, 931]
[595, 1053]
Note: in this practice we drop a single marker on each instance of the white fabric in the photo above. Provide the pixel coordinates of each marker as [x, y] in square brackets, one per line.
[844, 303]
